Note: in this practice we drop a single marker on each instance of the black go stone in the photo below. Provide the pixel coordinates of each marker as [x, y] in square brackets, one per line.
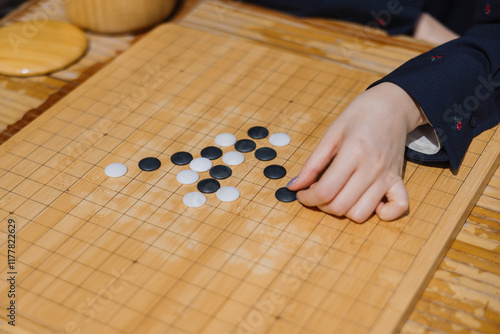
[245, 145]
[149, 164]
[220, 172]
[181, 158]
[211, 152]
[208, 186]
[265, 154]
[285, 195]
[258, 132]
[275, 171]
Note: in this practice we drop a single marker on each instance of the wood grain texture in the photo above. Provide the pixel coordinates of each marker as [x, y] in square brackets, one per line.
[23, 99]
[255, 264]
[117, 16]
[459, 307]
[104, 48]
[32, 48]
[463, 295]
[348, 44]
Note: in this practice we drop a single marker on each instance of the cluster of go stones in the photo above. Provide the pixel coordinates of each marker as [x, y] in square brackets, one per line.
[222, 171]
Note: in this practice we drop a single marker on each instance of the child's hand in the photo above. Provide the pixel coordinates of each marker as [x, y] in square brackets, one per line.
[361, 157]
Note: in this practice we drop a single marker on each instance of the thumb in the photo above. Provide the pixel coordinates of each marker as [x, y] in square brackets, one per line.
[397, 202]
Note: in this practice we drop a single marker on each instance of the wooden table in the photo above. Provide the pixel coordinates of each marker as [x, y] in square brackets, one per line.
[463, 294]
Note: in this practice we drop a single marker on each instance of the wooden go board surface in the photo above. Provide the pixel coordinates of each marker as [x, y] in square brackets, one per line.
[351, 44]
[23, 99]
[102, 255]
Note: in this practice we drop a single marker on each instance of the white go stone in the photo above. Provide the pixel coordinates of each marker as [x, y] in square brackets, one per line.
[228, 194]
[194, 199]
[187, 176]
[200, 164]
[115, 169]
[279, 139]
[225, 139]
[233, 158]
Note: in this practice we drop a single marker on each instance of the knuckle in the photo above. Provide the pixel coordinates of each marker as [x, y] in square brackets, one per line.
[377, 165]
[358, 216]
[323, 196]
[336, 208]
[396, 210]
[403, 206]
[312, 167]
[358, 155]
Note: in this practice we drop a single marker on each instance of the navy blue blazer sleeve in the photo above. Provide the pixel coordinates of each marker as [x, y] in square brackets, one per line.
[457, 85]
[395, 16]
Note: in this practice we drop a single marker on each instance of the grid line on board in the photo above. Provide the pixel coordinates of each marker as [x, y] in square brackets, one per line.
[176, 91]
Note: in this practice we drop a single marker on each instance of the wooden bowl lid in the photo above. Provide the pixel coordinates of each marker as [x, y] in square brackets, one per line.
[38, 47]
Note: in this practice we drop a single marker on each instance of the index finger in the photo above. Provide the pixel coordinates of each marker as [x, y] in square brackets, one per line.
[330, 184]
[318, 161]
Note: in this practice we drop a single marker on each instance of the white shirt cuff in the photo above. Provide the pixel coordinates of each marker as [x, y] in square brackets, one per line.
[423, 140]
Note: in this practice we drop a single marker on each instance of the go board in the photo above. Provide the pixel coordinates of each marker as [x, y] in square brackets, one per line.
[95, 254]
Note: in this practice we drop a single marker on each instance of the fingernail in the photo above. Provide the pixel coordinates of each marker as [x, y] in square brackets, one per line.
[292, 181]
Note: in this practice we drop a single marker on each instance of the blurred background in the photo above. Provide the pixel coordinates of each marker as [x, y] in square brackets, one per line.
[8, 5]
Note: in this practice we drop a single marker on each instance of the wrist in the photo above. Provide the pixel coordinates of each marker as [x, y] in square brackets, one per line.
[406, 105]
[431, 30]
